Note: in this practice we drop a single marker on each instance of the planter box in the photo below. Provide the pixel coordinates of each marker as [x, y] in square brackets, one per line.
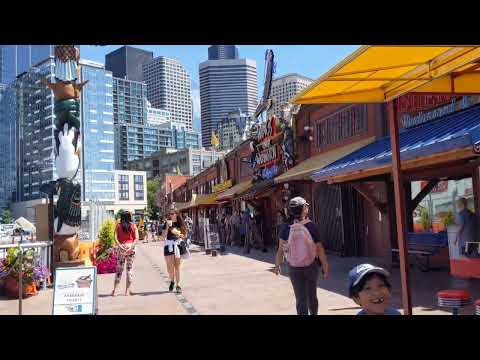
[11, 288]
[107, 266]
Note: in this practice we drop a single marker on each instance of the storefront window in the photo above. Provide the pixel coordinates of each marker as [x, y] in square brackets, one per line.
[437, 210]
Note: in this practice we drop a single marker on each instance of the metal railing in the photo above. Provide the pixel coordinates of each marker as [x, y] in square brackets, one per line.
[42, 251]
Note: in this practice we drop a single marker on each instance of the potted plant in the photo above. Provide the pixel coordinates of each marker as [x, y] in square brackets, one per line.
[106, 259]
[425, 219]
[33, 273]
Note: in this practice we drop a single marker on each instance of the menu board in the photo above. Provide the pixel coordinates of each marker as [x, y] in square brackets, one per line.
[75, 291]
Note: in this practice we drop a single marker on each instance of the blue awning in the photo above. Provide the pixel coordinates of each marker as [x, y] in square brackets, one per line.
[454, 131]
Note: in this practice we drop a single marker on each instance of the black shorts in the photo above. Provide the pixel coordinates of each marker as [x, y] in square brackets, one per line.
[183, 251]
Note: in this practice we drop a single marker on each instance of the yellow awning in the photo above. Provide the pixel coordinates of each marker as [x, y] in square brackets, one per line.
[375, 74]
[303, 170]
[209, 199]
[186, 205]
[237, 189]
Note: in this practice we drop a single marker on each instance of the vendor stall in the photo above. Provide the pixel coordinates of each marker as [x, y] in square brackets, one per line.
[377, 74]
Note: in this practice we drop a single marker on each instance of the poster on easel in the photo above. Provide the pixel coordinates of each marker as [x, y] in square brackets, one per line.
[75, 291]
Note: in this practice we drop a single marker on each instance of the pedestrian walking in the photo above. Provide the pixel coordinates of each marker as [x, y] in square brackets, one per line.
[301, 245]
[174, 232]
[228, 231]
[467, 222]
[234, 228]
[126, 237]
[189, 224]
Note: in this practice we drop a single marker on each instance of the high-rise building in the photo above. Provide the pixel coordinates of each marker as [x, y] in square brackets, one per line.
[222, 52]
[226, 85]
[35, 118]
[8, 145]
[233, 129]
[35, 124]
[126, 62]
[284, 88]
[169, 87]
[156, 116]
[17, 59]
[141, 130]
[98, 151]
[180, 162]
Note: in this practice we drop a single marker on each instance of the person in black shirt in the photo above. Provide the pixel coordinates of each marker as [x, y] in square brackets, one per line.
[174, 232]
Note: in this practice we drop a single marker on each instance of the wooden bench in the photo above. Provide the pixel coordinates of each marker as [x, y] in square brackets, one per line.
[422, 253]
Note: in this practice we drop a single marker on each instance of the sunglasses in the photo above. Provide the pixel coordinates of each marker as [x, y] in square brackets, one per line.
[172, 213]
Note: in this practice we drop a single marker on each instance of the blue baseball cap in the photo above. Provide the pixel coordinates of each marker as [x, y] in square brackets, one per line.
[360, 271]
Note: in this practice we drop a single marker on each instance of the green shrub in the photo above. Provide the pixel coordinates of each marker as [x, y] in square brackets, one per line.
[425, 219]
[106, 237]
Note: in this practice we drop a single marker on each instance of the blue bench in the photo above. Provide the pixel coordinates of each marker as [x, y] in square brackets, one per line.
[431, 240]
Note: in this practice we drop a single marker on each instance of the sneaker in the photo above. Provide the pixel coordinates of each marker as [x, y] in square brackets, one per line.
[170, 288]
[179, 290]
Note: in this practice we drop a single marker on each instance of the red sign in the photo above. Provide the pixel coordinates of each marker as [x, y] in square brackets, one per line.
[414, 103]
[267, 154]
[442, 186]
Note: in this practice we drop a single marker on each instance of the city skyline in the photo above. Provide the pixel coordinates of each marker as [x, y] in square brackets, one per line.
[307, 60]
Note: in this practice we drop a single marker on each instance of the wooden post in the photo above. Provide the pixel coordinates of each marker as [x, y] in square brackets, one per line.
[408, 199]
[476, 193]
[400, 209]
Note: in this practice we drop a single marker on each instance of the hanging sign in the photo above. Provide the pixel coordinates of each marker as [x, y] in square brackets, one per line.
[266, 153]
[75, 291]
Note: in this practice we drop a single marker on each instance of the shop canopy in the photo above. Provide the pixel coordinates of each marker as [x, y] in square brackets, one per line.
[304, 170]
[258, 190]
[198, 200]
[234, 190]
[25, 225]
[453, 134]
[375, 74]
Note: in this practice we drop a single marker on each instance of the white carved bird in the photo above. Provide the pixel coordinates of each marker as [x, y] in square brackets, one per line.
[67, 161]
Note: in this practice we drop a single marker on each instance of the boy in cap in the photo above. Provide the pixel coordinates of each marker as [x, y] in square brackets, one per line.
[369, 287]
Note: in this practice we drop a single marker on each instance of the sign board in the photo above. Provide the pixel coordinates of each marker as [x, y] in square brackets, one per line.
[75, 291]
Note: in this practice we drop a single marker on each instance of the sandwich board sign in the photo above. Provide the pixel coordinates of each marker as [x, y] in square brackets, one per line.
[75, 291]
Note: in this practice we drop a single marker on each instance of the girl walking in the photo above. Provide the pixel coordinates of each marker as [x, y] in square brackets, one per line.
[174, 233]
[126, 237]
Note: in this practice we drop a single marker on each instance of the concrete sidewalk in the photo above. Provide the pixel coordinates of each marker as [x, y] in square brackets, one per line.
[237, 284]
[150, 295]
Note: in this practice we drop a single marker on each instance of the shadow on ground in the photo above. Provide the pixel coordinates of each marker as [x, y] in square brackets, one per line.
[424, 285]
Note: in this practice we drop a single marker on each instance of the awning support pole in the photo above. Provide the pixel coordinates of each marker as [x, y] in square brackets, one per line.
[400, 209]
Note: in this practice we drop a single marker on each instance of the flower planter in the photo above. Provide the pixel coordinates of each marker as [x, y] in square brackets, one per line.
[11, 288]
[2, 287]
[107, 266]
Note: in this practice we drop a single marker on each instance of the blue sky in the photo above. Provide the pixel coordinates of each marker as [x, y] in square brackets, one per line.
[308, 60]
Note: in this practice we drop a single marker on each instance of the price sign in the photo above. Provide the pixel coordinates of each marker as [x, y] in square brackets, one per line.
[75, 291]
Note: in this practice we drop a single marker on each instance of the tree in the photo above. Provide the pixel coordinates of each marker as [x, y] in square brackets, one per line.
[152, 207]
[7, 217]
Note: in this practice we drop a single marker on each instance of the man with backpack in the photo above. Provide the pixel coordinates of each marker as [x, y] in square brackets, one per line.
[301, 246]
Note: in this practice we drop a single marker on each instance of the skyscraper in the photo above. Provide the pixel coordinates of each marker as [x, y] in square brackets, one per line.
[16, 59]
[225, 86]
[98, 151]
[34, 120]
[284, 88]
[126, 62]
[8, 145]
[169, 87]
[36, 141]
[222, 52]
[141, 130]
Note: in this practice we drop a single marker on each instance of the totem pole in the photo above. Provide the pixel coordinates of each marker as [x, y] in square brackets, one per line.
[66, 90]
